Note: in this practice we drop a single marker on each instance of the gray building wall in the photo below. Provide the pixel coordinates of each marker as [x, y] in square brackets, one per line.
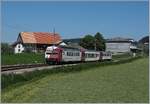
[116, 48]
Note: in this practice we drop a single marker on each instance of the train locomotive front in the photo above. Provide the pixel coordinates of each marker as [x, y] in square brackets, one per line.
[60, 54]
[53, 55]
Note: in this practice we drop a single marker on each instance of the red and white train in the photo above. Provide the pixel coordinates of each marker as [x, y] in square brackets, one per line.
[60, 54]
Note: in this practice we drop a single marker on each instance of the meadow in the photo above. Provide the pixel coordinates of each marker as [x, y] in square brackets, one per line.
[23, 58]
[33, 58]
[122, 83]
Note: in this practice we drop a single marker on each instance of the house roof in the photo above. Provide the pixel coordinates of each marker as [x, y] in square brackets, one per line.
[120, 39]
[40, 38]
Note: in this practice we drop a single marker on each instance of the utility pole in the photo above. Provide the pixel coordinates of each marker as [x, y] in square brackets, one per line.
[95, 45]
[54, 36]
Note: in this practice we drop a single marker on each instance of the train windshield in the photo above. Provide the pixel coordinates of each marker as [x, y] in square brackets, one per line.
[52, 53]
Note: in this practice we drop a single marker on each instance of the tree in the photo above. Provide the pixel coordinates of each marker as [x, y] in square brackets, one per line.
[99, 42]
[87, 42]
[6, 48]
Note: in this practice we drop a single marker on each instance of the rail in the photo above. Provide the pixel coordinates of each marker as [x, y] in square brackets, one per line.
[20, 66]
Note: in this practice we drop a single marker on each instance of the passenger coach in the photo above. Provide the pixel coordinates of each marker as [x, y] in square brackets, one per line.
[59, 54]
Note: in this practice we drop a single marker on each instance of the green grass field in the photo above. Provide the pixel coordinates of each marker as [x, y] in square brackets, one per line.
[23, 58]
[114, 83]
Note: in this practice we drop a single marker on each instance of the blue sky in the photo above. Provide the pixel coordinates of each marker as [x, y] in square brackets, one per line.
[75, 19]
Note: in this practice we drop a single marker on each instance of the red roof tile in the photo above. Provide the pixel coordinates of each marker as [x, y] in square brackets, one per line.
[40, 37]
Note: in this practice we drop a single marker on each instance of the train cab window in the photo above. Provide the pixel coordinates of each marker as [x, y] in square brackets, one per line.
[52, 53]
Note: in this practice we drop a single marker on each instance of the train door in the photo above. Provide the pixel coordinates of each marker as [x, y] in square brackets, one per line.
[82, 55]
[101, 56]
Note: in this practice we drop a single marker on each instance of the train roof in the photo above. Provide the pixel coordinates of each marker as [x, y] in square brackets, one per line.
[91, 51]
[69, 47]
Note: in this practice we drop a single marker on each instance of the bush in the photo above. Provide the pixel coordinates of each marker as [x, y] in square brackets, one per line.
[6, 48]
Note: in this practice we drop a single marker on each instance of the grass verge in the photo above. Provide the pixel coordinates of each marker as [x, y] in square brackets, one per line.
[115, 83]
[12, 79]
[23, 58]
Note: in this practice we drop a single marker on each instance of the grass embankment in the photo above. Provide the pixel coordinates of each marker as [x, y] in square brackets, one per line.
[126, 82]
[11, 79]
[121, 56]
[23, 58]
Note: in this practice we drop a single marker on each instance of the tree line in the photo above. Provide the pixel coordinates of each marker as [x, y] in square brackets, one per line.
[96, 42]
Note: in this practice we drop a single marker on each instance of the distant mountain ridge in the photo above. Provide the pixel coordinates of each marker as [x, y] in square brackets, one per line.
[144, 40]
[75, 40]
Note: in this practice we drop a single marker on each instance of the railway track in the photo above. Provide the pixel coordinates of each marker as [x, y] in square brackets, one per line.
[30, 67]
[22, 66]
[19, 69]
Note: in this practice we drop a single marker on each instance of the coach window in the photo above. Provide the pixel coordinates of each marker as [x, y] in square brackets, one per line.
[86, 55]
[89, 55]
[71, 54]
[67, 53]
[96, 55]
[76, 54]
[93, 55]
